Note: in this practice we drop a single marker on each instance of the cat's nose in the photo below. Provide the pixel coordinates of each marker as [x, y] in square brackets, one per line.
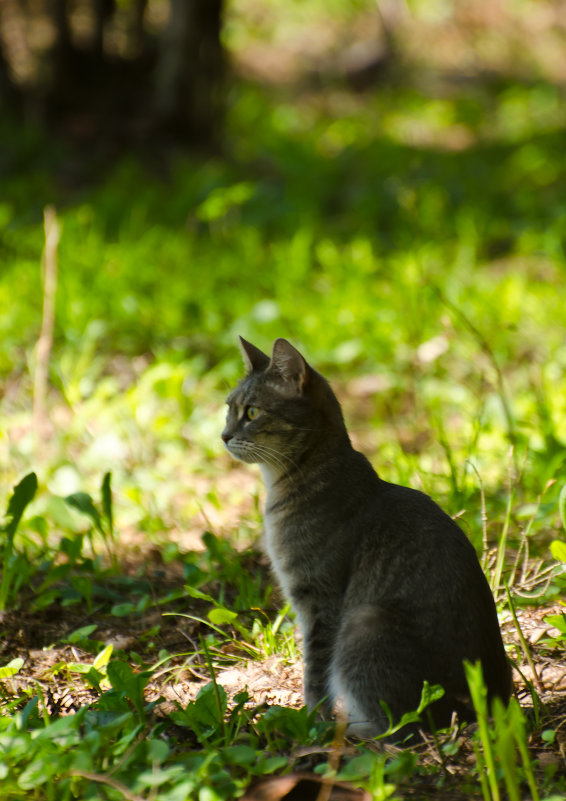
[226, 436]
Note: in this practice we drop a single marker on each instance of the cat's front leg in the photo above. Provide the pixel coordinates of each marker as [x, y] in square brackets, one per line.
[317, 646]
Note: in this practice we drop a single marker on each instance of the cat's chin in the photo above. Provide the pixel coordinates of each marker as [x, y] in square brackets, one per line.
[242, 455]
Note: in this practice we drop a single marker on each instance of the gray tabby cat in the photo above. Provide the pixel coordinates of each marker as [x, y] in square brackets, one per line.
[387, 589]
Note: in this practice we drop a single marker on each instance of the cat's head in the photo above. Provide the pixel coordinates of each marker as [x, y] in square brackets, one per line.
[281, 411]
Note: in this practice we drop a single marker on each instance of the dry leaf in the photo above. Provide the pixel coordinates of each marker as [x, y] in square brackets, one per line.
[303, 787]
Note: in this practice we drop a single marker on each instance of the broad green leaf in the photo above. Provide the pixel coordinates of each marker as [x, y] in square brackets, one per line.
[122, 678]
[558, 621]
[106, 494]
[221, 615]
[37, 772]
[157, 751]
[180, 792]
[558, 550]
[204, 710]
[83, 585]
[271, 764]
[80, 634]
[222, 199]
[23, 494]
[240, 755]
[103, 657]
[194, 593]
[94, 677]
[120, 675]
[11, 668]
[155, 778]
[83, 503]
[72, 547]
[358, 768]
[562, 505]
[79, 667]
[121, 610]
[28, 711]
[429, 694]
[65, 730]
[143, 603]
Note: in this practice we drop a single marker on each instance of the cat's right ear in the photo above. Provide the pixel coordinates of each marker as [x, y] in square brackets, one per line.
[254, 358]
[289, 369]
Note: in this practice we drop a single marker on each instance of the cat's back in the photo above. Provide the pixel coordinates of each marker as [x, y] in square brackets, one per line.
[404, 532]
[414, 560]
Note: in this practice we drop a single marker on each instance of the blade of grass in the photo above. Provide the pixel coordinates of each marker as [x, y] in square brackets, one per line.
[23, 494]
[505, 749]
[45, 340]
[517, 722]
[489, 353]
[478, 693]
[219, 704]
[498, 570]
[562, 506]
[524, 644]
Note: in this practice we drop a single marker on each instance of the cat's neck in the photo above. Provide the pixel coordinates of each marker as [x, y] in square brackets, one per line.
[314, 467]
[271, 476]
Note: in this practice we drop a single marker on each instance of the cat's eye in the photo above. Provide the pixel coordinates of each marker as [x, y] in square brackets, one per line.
[251, 412]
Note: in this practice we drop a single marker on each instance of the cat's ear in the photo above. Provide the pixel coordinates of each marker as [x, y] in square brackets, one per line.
[288, 367]
[254, 358]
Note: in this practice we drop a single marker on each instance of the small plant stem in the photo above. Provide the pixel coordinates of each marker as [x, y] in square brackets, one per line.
[518, 724]
[524, 548]
[496, 580]
[215, 685]
[524, 644]
[445, 445]
[478, 693]
[489, 757]
[116, 785]
[127, 753]
[562, 506]
[504, 744]
[488, 351]
[436, 742]
[485, 556]
[44, 712]
[336, 751]
[482, 773]
[45, 341]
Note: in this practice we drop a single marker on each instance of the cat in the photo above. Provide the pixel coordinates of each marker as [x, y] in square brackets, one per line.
[387, 589]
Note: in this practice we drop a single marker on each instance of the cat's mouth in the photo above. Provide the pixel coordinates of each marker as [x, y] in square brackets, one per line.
[242, 451]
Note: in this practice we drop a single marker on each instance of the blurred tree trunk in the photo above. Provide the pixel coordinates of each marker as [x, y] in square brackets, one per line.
[137, 25]
[65, 57]
[62, 50]
[190, 71]
[7, 89]
[86, 84]
[103, 11]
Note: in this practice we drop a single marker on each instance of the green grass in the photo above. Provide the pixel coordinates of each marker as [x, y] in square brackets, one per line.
[426, 282]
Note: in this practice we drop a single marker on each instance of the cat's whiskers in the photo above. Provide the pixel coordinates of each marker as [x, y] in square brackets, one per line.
[263, 454]
[276, 459]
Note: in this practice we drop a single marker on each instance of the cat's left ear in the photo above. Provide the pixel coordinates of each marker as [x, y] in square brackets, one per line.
[288, 367]
[254, 358]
